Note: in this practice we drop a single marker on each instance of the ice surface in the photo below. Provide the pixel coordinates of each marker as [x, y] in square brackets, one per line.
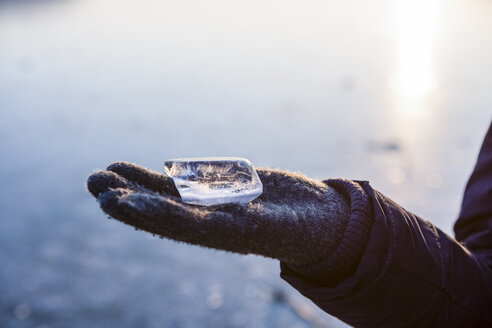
[136, 99]
[214, 180]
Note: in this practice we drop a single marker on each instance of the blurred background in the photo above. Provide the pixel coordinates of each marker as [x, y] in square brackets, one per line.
[396, 92]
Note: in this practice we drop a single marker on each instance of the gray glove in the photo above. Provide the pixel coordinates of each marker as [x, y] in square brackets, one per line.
[297, 219]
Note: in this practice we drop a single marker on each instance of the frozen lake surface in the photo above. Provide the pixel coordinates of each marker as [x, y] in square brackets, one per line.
[393, 93]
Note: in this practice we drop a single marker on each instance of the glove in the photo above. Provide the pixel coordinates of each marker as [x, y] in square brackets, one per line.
[297, 220]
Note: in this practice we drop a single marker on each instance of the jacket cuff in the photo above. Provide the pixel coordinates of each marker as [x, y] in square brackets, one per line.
[343, 261]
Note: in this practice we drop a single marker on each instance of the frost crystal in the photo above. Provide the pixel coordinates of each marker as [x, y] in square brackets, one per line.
[214, 180]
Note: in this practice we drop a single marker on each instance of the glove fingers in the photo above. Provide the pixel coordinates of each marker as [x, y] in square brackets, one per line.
[101, 181]
[234, 231]
[166, 216]
[152, 180]
[143, 208]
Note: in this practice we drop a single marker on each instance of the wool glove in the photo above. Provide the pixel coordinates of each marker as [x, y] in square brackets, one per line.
[297, 220]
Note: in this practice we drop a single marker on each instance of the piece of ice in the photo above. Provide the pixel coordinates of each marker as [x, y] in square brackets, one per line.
[214, 180]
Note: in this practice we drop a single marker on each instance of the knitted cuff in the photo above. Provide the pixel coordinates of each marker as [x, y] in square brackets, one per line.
[343, 261]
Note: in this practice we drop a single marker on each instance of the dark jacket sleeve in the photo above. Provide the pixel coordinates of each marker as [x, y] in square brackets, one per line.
[474, 225]
[410, 274]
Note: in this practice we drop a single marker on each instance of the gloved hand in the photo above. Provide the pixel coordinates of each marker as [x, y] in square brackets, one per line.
[297, 219]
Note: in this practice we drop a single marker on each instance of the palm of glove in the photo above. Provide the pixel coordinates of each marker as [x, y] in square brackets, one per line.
[296, 219]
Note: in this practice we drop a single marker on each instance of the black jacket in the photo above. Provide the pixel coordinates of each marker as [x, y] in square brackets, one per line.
[411, 274]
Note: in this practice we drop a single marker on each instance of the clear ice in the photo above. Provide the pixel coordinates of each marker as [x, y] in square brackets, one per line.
[214, 180]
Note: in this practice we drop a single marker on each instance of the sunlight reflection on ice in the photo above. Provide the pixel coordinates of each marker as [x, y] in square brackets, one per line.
[415, 28]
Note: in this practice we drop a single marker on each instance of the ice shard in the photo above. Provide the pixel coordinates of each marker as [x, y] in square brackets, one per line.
[214, 180]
